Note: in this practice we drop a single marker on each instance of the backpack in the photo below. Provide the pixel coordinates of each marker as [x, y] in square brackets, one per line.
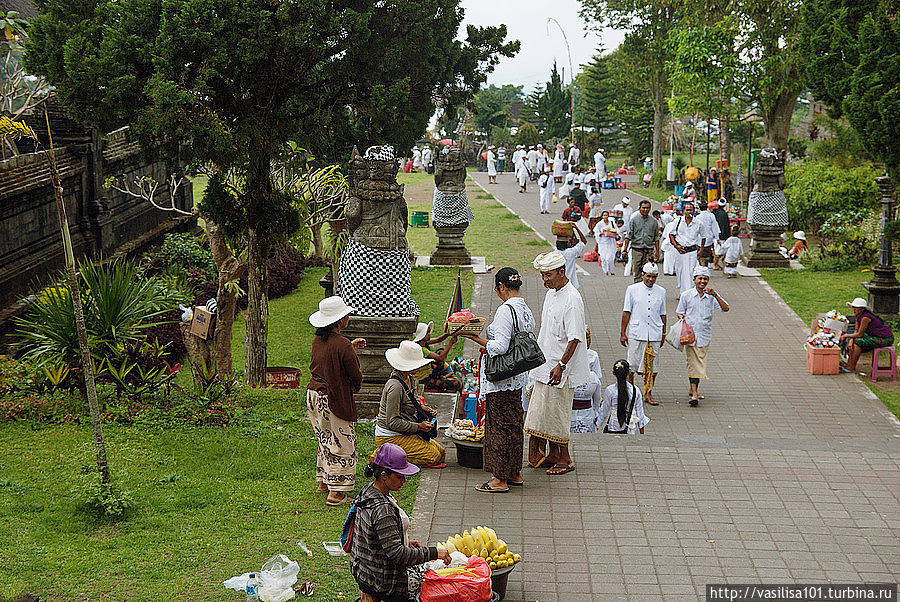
[348, 528]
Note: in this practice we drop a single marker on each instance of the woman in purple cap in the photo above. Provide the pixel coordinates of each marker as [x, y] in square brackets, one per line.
[381, 552]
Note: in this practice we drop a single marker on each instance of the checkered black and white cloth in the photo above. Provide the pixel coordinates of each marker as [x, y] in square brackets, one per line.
[382, 153]
[451, 209]
[768, 209]
[376, 282]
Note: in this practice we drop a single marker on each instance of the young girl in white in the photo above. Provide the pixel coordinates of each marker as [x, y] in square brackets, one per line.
[733, 249]
[623, 404]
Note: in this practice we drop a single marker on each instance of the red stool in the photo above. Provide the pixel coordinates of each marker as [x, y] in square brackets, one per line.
[877, 370]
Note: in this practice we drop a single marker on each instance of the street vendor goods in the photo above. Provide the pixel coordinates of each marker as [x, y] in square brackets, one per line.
[469, 322]
[482, 542]
[465, 430]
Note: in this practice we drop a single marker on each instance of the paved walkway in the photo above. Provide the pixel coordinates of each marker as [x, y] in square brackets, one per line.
[778, 476]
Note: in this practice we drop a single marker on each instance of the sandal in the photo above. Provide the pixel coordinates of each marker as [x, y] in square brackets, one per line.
[693, 402]
[344, 500]
[651, 401]
[486, 488]
[514, 484]
[438, 465]
[544, 463]
[554, 470]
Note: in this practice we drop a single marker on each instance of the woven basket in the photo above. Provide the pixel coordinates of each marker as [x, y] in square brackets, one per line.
[473, 327]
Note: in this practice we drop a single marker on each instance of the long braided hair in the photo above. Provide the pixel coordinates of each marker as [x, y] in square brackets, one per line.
[620, 371]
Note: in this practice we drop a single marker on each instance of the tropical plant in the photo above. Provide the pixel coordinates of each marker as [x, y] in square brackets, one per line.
[817, 190]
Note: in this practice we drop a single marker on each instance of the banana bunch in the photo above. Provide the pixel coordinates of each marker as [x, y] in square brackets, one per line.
[483, 542]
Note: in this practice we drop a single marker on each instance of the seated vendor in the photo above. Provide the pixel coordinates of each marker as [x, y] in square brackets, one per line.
[438, 376]
[871, 332]
[402, 420]
[799, 246]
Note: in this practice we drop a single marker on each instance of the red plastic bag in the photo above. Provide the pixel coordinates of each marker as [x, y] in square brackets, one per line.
[472, 586]
[590, 256]
[687, 334]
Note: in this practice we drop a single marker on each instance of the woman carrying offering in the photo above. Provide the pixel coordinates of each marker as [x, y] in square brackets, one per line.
[871, 332]
[402, 420]
[504, 419]
[334, 377]
[696, 307]
[623, 404]
[381, 552]
[605, 233]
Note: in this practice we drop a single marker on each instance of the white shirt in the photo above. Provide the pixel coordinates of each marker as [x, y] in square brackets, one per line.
[610, 407]
[709, 227]
[426, 156]
[698, 312]
[687, 234]
[532, 158]
[627, 211]
[733, 249]
[417, 157]
[574, 155]
[571, 254]
[498, 334]
[544, 185]
[666, 218]
[562, 320]
[647, 305]
[600, 164]
[665, 244]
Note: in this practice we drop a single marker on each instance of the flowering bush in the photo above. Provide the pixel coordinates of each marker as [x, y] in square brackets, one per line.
[848, 239]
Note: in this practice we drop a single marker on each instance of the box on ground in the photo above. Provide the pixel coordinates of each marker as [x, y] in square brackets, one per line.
[823, 360]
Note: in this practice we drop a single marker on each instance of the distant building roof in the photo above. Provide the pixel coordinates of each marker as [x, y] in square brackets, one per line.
[25, 8]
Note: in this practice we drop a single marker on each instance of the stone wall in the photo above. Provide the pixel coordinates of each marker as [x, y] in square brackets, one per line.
[102, 222]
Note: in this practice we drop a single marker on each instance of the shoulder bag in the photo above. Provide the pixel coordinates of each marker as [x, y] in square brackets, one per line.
[421, 414]
[523, 355]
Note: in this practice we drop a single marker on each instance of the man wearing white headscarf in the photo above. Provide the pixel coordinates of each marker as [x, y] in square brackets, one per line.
[562, 340]
[417, 158]
[600, 164]
[686, 236]
[644, 326]
[532, 157]
[696, 307]
[541, 158]
[574, 156]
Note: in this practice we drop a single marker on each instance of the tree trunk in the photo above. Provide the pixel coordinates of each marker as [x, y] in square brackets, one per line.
[318, 245]
[725, 140]
[694, 137]
[230, 270]
[658, 115]
[257, 312]
[778, 120]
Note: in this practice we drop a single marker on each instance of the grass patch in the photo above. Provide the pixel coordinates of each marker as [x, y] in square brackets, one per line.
[209, 502]
[415, 179]
[809, 293]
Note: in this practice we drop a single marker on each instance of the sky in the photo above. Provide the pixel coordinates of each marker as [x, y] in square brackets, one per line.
[526, 21]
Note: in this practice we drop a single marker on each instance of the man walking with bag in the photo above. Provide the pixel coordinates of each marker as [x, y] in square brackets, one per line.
[644, 327]
[643, 235]
[562, 340]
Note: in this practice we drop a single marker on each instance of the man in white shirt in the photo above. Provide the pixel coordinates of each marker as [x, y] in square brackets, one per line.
[562, 340]
[626, 209]
[644, 326]
[686, 237]
[532, 157]
[574, 156]
[416, 158]
[491, 159]
[576, 248]
[600, 164]
[541, 158]
[545, 188]
[710, 232]
[518, 156]
[426, 157]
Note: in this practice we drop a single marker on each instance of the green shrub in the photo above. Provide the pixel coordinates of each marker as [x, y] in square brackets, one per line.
[817, 190]
[658, 179]
[848, 239]
[186, 251]
[102, 501]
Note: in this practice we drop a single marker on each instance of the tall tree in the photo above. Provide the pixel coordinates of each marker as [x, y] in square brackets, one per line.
[230, 81]
[549, 107]
[595, 94]
[851, 60]
[629, 109]
[493, 106]
[647, 24]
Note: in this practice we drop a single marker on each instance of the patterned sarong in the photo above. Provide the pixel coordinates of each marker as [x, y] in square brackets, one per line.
[336, 455]
[451, 209]
[768, 209]
[376, 282]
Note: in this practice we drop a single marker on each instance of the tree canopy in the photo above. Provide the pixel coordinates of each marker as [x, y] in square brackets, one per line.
[548, 107]
[494, 106]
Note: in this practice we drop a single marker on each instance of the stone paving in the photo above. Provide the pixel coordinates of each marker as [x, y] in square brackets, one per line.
[778, 476]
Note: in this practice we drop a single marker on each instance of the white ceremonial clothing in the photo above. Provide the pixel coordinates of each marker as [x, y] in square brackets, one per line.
[686, 235]
[532, 159]
[562, 320]
[585, 420]
[596, 202]
[666, 218]
[600, 165]
[417, 158]
[610, 405]
[709, 227]
[522, 173]
[574, 156]
[498, 334]
[669, 253]
[637, 350]
[733, 248]
[491, 164]
[647, 305]
[572, 254]
[606, 246]
[698, 311]
[426, 156]
[558, 160]
[545, 186]
[627, 212]
[541, 161]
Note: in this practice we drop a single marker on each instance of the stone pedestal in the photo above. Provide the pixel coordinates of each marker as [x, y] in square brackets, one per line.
[451, 250]
[381, 334]
[884, 292]
[765, 253]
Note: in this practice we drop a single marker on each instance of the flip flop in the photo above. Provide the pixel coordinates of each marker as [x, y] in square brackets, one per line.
[544, 463]
[486, 488]
[568, 468]
[652, 402]
[345, 500]
[514, 484]
[693, 402]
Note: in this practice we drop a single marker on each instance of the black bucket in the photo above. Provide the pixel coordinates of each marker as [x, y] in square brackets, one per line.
[469, 456]
[499, 579]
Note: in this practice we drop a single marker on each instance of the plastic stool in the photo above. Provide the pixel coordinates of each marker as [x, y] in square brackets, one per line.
[877, 370]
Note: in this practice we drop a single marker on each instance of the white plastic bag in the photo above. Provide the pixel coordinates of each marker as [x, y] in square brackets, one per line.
[277, 578]
[673, 336]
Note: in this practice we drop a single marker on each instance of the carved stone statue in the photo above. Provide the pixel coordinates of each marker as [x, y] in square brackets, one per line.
[451, 213]
[767, 214]
[375, 269]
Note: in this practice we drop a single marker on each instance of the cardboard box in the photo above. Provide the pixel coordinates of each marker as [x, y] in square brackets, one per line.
[203, 324]
[836, 325]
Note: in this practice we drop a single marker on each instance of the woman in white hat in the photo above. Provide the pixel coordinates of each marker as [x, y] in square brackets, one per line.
[799, 246]
[334, 378]
[696, 307]
[402, 420]
[870, 333]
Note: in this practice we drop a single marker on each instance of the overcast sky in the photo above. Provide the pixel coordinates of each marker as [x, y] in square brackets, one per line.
[526, 21]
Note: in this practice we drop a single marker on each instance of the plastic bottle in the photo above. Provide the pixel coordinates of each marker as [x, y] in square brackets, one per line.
[251, 589]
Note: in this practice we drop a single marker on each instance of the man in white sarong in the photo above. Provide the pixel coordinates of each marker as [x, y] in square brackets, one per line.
[562, 340]
[532, 158]
[545, 187]
[669, 252]
[686, 236]
[426, 157]
[600, 164]
[522, 173]
[541, 159]
[558, 160]
[644, 326]
[491, 166]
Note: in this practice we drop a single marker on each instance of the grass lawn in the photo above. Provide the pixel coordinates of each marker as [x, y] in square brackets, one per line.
[210, 502]
[809, 293]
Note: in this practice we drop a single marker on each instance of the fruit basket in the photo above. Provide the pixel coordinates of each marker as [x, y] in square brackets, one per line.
[474, 326]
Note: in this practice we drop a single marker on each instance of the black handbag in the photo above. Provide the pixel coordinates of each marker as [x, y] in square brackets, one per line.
[523, 355]
[421, 414]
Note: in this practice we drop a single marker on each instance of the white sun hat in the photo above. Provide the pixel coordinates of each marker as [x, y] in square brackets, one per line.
[331, 309]
[421, 331]
[800, 235]
[407, 357]
[858, 302]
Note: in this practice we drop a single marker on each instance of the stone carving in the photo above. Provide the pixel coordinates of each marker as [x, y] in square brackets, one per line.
[374, 274]
[451, 213]
[767, 214]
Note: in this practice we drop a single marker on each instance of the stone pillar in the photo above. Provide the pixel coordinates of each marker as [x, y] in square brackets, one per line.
[451, 250]
[765, 252]
[884, 290]
[381, 334]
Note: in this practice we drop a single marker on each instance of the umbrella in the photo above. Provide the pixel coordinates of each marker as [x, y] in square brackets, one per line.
[447, 142]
